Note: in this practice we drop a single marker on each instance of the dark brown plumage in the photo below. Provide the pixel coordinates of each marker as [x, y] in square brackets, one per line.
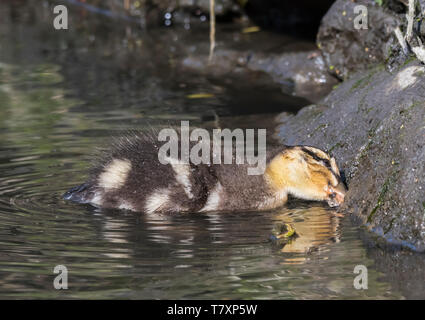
[131, 177]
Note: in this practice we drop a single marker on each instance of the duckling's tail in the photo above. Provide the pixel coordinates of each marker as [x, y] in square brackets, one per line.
[81, 194]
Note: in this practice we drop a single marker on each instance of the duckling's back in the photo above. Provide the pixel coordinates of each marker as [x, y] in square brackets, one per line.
[132, 177]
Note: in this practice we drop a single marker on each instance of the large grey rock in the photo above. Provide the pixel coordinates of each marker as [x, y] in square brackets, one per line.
[347, 49]
[374, 123]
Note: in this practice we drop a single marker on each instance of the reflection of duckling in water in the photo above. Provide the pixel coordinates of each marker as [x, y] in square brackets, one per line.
[305, 229]
[131, 177]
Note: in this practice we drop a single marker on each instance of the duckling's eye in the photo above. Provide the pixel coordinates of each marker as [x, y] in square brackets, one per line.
[331, 192]
[332, 184]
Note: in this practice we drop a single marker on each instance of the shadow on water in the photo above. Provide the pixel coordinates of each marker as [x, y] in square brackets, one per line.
[61, 100]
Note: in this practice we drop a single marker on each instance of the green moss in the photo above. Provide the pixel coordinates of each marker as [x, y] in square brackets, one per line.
[357, 84]
[366, 150]
[337, 145]
[365, 81]
[321, 126]
[405, 113]
[361, 83]
[362, 102]
[371, 134]
[419, 73]
[407, 61]
[390, 226]
[381, 198]
[415, 104]
[369, 110]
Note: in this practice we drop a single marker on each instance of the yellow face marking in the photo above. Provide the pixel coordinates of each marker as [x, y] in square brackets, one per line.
[304, 172]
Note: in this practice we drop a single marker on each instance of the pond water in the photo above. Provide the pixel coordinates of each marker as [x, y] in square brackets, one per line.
[64, 95]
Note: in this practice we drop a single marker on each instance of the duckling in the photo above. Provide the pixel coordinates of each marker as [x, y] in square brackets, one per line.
[131, 177]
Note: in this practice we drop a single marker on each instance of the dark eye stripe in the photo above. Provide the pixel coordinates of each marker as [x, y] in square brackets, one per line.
[325, 162]
[316, 157]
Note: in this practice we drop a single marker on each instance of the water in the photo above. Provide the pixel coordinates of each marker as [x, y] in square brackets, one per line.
[63, 96]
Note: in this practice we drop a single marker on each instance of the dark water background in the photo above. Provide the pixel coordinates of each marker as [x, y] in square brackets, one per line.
[65, 93]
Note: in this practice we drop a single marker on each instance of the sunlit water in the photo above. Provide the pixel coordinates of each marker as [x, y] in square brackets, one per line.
[57, 108]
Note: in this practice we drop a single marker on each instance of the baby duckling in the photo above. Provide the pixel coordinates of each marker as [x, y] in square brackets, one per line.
[131, 177]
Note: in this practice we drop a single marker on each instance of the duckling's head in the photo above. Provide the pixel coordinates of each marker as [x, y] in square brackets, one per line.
[307, 173]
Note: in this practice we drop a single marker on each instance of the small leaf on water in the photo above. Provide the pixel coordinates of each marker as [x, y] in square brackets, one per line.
[251, 29]
[199, 95]
[291, 231]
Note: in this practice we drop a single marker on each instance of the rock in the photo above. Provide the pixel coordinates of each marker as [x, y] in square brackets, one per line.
[404, 269]
[374, 124]
[306, 70]
[301, 73]
[347, 49]
[298, 74]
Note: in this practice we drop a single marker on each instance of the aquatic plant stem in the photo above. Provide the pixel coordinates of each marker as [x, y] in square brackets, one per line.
[401, 40]
[419, 50]
[410, 17]
[127, 5]
[212, 30]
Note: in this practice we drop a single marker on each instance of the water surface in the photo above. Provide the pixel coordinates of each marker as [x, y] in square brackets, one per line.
[64, 95]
